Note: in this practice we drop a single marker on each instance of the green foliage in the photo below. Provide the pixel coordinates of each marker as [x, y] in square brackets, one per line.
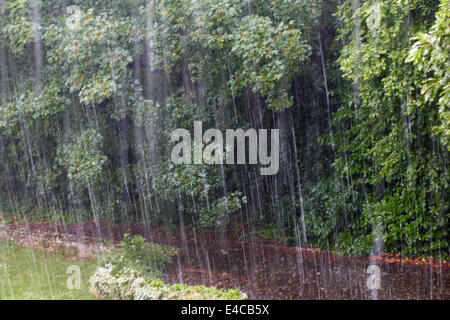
[189, 180]
[129, 285]
[82, 158]
[133, 272]
[149, 259]
[215, 215]
[94, 55]
[389, 147]
[15, 24]
[271, 231]
[359, 93]
[430, 53]
[271, 55]
[32, 106]
[350, 245]
[257, 52]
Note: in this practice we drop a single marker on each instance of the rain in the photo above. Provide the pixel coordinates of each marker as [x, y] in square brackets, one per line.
[343, 193]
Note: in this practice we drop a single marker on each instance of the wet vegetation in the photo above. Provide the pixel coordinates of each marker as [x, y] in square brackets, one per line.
[91, 92]
[27, 273]
[133, 272]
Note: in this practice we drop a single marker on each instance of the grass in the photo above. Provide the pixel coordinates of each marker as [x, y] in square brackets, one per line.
[32, 274]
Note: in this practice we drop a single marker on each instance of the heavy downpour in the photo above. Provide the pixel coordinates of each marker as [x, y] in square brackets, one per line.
[224, 149]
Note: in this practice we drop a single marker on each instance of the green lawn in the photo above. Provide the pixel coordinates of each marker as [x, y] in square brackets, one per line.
[27, 273]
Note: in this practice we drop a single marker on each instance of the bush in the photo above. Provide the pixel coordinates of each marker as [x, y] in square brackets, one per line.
[148, 259]
[129, 284]
[132, 273]
[215, 216]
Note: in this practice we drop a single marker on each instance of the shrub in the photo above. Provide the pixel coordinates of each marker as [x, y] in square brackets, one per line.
[129, 284]
[133, 271]
[215, 216]
[146, 258]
